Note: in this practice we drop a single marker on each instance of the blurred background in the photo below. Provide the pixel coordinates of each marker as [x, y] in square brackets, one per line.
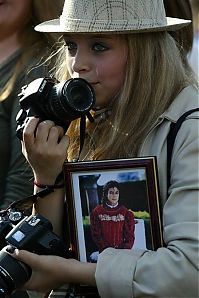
[194, 55]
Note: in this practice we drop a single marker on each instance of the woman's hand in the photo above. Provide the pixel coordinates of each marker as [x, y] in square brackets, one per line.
[47, 271]
[50, 272]
[44, 146]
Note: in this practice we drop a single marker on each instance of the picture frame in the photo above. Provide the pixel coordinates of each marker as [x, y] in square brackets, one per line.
[89, 224]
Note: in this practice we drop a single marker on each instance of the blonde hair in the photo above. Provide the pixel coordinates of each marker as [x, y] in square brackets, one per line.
[155, 74]
[34, 44]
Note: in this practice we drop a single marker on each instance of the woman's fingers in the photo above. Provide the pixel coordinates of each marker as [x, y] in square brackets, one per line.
[36, 132]
[43, 130]
[46, 272]
[45, 148]
[29, 129]
[27, 257]
[28, 134]
[55, 134]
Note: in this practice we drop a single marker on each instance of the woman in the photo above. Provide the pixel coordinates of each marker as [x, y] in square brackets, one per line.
[123, 49]
[21, 53]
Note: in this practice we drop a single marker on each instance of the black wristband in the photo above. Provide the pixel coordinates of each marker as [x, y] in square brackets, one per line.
[52, 186]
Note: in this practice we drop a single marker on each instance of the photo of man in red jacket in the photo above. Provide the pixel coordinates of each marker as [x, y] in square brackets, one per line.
[112, 224]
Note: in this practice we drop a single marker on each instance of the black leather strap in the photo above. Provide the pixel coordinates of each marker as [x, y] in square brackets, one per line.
[174, 128]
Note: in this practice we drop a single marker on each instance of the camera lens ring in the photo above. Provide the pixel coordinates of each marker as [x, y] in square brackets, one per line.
[71, 99]
[78, 91]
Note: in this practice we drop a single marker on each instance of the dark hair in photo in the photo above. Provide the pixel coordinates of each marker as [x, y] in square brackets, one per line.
[106, 187]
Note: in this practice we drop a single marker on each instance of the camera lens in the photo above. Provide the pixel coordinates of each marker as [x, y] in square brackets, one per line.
[79, 98]
[71, 99]
[13, 274]
[4, 291]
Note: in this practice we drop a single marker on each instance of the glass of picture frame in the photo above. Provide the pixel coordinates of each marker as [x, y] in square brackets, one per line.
[85, 182]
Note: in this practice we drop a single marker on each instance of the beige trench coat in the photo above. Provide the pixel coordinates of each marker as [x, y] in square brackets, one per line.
[171, 271]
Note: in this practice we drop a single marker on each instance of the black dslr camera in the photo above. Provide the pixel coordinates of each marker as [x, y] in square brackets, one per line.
[60, 102]
[32, 233]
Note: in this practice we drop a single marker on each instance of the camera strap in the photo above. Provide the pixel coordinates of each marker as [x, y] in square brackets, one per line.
[83, 130]
[174, 128]
[82, 133]
[26, 204]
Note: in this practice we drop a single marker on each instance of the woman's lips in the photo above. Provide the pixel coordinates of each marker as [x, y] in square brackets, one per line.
[93, 84]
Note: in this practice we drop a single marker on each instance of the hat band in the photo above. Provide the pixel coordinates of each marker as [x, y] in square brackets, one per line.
[79, 25]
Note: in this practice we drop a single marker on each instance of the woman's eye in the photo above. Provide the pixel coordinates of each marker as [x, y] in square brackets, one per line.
[71, 45]
[99, 47]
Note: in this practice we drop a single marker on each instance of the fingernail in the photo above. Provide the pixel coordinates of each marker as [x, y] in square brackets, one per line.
[10, 249]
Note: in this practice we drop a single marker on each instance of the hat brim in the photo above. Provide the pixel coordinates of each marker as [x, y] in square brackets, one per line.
[53, 26]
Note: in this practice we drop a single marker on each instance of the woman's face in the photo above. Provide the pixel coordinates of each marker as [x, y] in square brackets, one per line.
[14, 15]
[100, 60]
[113, 196]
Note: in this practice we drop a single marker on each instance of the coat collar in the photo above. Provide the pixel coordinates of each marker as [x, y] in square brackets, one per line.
[186, 100]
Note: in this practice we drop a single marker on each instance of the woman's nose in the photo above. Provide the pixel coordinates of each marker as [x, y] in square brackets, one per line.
[81, 63]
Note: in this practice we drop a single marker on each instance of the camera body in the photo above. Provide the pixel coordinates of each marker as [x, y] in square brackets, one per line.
[32, 233]
[61, 102]
[8, 220]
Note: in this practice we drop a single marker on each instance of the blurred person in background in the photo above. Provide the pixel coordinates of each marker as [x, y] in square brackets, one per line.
[183, 37]
[186, 38]
[194, 57]
[22, 50]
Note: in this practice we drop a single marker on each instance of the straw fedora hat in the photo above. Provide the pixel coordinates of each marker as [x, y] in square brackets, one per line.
[105, 16]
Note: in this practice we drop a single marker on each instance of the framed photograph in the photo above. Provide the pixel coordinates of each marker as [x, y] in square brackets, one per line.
[112, 203]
